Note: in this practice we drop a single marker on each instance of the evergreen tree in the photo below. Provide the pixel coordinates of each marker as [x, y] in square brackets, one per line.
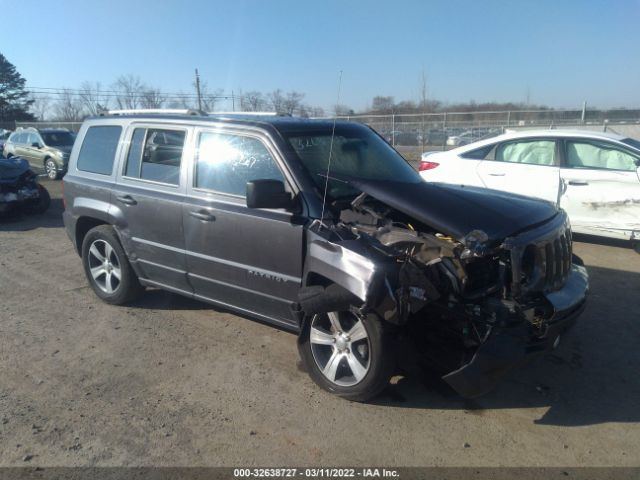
[14, 99]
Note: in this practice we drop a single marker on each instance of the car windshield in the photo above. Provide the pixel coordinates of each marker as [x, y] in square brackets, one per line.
[632, 143]
[355, 152]
[58, 139]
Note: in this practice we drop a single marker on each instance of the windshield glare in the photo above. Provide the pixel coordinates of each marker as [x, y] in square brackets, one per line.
[356, 152]
[58, 139]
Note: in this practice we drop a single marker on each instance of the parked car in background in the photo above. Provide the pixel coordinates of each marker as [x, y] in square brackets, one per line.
[19, 188]
[250, 214]
[594, 176]
[47, 148]
[463, 138]
[4, 135]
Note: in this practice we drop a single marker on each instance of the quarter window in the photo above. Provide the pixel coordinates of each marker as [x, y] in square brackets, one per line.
[532, 152]
[479, 153]
[99, 149]
[155, 154]
[226, 162]
[599, 156]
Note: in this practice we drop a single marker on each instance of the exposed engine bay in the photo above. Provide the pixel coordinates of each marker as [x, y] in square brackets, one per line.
[454, 294]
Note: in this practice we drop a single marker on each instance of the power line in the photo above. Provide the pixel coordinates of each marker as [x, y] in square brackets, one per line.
[118, 93]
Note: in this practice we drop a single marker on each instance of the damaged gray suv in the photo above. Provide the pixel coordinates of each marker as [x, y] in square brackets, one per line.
[323, 229]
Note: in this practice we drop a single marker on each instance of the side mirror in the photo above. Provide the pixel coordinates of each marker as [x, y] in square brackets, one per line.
[267, 194]
[35, 145]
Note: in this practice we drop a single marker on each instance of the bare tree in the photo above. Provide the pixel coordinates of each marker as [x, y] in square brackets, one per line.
[342, 110]
[69, 107]
[129, 91]
[92, 100]
[316, 112]
[292, 103]
[152, 98]
[253, 101]
[383, 105]
[208, 98]
[277, 99]
[40, 106]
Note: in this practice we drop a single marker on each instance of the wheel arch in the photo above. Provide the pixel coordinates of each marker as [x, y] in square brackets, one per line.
[83, 225]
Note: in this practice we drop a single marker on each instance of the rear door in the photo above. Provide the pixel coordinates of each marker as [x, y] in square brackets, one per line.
[32, 153]
[149, 191]
[527, 166]
[250, 259]
[602, 187]
[19, 142]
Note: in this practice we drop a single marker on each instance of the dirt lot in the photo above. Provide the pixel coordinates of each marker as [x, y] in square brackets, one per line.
[171, 381]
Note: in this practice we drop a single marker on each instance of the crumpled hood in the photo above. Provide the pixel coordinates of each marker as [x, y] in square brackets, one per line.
[12, 168]
[459, 210]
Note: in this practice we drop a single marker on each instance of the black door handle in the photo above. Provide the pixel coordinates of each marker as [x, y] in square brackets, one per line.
[202, 215]
[126, 199]
[578, 183]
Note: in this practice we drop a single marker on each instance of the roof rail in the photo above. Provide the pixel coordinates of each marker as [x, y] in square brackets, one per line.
[154, 111]
[257, 114]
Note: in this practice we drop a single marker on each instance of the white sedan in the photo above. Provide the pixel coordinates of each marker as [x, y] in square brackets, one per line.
[594, 176]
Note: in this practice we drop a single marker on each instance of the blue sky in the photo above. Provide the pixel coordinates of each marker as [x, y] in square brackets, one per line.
[562, 52]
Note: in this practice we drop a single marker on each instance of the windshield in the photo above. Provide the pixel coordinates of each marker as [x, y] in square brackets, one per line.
[632, 143]
[58, 139]
[357, 152]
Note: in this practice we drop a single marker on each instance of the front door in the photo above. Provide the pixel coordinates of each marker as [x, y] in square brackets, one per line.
[602, 188]
[527, 166]
[249, 259]
[149, 192]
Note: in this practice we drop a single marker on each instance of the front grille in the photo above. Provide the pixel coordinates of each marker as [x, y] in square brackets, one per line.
[542, 263]
[555, 258]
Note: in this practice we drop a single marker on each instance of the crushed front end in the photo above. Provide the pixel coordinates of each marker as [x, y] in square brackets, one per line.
[19, 188]
[480, 307]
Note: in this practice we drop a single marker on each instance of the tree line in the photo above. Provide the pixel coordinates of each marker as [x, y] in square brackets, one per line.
[17, 103]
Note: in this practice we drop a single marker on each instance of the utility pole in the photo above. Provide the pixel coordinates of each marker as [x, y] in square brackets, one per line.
[198, 90]
[584, 111]
[233, 102]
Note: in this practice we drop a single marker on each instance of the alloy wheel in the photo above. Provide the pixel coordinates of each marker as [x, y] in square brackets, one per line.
[340, 347]
[51, 169]
[104, 266]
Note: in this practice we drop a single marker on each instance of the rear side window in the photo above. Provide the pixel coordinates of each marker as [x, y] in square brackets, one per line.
[99, 149]
[17, 137]
[227, 162]
[532, 152]
[155, 154]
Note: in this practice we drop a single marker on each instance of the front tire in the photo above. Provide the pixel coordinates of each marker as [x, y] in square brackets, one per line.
[43, 203]
[347, 354]
[107, 267]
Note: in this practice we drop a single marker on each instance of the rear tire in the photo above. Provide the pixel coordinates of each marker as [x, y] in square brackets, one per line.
[51, 169]
[347, 355]
[107, 267]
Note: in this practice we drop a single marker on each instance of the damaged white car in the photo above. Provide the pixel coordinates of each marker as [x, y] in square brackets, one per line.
[595, 176]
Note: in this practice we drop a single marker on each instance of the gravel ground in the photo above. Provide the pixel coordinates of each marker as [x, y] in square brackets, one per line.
[171, 381]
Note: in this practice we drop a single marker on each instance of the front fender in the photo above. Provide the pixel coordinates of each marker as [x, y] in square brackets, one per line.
[346, 267]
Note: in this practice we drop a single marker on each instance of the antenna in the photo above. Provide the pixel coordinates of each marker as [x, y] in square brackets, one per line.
[333, 132]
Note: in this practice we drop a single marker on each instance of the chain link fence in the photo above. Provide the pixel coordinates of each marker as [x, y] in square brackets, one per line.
[415, 132]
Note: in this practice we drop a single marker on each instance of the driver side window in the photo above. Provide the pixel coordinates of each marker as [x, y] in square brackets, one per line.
[226, 162]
